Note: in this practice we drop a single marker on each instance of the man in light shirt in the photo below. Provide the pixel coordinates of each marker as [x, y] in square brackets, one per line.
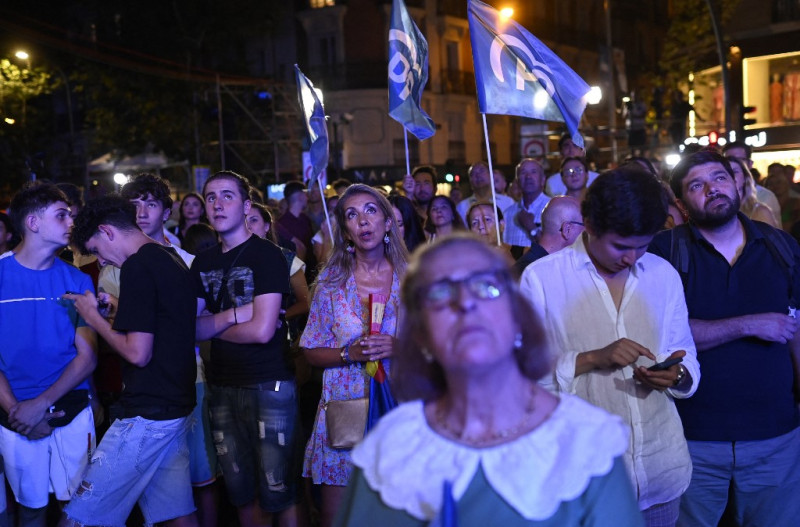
[481, 183]
[567, 148]
[612, 311]
[524, 218]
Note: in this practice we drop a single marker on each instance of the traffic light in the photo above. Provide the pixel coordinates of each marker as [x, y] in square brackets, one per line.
[743, 119]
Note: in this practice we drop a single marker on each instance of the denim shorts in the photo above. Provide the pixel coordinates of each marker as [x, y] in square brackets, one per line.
[138, 460]
[255, 433]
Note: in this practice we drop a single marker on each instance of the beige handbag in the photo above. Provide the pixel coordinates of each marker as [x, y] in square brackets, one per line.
[346, 421]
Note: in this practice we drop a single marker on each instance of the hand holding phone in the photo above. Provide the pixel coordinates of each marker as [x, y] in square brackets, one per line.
[661, 366]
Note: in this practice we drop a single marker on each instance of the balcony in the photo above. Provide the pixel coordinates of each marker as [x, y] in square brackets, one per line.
[458, 82]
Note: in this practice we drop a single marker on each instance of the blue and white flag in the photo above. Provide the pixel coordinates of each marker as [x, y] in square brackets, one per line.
[314, 118]
[516, 74]
[408, 73]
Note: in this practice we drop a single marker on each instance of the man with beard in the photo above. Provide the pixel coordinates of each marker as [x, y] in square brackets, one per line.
[741, 283]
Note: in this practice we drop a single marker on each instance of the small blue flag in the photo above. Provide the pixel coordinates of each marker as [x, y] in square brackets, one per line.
[314, 118]
[408, 73]
[516, 74]
[448, 513]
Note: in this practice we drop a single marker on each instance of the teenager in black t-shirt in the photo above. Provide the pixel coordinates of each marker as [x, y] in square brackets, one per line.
[252, 395]
[153, 331]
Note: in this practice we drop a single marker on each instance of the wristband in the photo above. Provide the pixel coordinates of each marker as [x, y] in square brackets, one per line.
[345, 354]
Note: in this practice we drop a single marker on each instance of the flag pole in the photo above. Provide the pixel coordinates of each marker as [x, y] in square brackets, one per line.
[491, 178]
[408, 161]
[325, 206]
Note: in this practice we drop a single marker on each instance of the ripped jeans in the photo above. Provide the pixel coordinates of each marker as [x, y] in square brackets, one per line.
[255, 433]
[138, 460]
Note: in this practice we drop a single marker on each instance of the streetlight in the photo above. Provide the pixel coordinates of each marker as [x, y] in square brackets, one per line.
[506, 13]
[595, 95]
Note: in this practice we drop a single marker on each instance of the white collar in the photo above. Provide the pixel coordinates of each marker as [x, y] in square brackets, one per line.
[534, 474]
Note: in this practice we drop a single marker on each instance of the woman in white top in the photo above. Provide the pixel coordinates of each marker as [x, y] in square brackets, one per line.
[479, 438]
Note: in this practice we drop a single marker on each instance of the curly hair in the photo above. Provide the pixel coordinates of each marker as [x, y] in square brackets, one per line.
[143, 184]
[341, 263]
[627, 200]
[414, 377]
[112, 210]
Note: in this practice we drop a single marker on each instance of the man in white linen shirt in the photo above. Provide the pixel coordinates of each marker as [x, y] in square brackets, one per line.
[524, 218]
[612, 310]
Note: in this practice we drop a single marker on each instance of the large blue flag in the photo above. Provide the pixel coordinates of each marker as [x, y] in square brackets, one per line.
[408, 73]
[314, 118]
[516, 74]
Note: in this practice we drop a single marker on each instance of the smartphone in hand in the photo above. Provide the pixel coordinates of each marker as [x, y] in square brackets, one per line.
[661, 366]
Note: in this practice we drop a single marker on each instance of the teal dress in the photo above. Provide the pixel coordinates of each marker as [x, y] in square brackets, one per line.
[567, 472]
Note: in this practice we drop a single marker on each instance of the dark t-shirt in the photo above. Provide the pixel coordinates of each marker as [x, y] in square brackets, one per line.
[157, 296]
[534, 253]
[237, 277]
[745, 393]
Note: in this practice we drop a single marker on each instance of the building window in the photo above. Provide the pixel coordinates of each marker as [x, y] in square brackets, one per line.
[322, 3]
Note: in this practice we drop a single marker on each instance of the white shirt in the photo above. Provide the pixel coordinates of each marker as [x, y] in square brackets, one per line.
[554, 186]
[503, 202]
[406, 462]
[516, 234]
[579, 315]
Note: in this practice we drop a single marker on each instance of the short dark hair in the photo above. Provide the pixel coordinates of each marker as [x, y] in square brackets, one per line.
[198, 238]
[581, 160]
[341, 183]
[33, 198]
[425, 169]
[563, 139]
[646, 163]
[686, 164]
[240, 180]
[112, 209]
[291, 188]
[73, 192]
[738, 144]
[143, 184]
[627, 200]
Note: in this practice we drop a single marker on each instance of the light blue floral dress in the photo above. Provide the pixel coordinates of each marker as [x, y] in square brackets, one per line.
[338, 317]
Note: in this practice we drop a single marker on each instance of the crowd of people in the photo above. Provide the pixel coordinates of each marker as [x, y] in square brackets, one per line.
[615, 348]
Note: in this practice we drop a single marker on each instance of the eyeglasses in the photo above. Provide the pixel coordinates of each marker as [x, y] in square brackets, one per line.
[482, 285]
[578, 171]
[570, 223]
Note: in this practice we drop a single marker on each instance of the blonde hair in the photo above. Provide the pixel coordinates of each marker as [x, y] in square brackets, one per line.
[341, 263]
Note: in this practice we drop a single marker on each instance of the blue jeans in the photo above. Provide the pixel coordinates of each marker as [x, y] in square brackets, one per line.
[255, 431]
[138, 460]
[764, 476]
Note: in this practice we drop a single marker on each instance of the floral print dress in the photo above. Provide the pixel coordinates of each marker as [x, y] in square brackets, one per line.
[339, 317]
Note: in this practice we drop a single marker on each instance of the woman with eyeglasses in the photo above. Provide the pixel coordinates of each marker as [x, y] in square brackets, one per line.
[575, 174]
[368, 258]
[478, 437]
[443, 218]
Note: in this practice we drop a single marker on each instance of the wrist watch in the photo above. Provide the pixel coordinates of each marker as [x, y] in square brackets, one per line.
[681, 375]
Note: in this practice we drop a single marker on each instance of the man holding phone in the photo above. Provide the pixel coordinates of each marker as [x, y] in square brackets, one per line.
[612, 311]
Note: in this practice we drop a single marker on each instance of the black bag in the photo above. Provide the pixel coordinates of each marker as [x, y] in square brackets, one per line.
[72, 403]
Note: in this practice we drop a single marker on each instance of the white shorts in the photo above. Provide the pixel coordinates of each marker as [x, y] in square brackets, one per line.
[54, 464]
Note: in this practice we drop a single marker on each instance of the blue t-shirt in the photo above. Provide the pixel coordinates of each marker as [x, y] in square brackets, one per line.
[37, 328]
[746, 393]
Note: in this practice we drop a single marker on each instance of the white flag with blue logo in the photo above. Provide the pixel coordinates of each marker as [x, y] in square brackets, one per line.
[516, 74]
[314, 118]
[408, 73]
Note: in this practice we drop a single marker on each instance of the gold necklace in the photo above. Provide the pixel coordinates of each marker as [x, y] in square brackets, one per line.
[493, 437]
